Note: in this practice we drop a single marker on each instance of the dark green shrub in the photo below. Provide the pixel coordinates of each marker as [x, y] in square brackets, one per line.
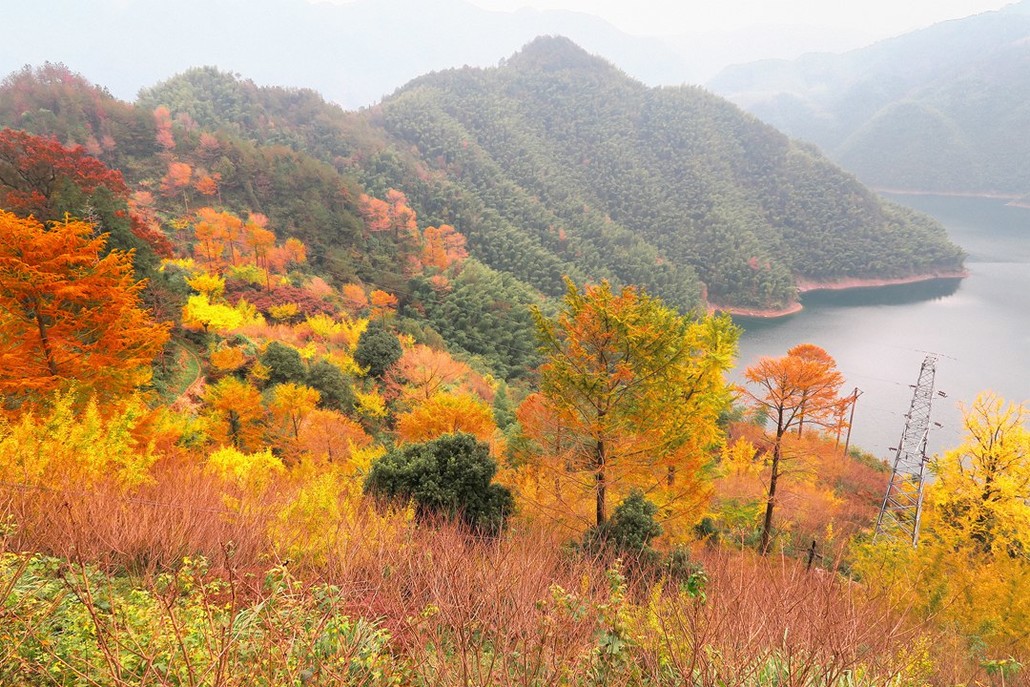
[377, 350]
[284, 364]
[448, 477]
[629, 530]
[628, 535]
[333, 385]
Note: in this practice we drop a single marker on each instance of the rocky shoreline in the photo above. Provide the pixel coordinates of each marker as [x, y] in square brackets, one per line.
[808, 285]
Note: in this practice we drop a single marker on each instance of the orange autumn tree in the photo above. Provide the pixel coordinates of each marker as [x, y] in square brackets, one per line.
[178, 180]
[393, 214]
[332, 436]
[69, 314]
[422, 372]
[802, 386]
[443, 247]
[237, 414]
[446, 414]
[207, 184]
[636, 390]
[354, 298]
[215, 231]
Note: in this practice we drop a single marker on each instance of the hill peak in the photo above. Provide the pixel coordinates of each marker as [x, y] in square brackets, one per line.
[555, 53]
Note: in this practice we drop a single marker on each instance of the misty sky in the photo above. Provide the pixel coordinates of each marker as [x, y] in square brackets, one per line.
[875, 18]
[364, 54]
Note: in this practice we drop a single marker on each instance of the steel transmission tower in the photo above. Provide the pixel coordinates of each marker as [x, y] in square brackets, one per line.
[903, 502]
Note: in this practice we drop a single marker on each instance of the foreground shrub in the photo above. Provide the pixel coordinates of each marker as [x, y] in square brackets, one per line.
[449, 477]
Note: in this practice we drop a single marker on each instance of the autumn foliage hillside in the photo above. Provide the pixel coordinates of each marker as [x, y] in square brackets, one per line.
[297, 433]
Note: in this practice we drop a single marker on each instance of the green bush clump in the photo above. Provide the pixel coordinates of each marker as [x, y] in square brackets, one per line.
[450, 477]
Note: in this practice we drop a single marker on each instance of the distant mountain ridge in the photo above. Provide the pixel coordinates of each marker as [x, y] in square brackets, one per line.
[941, 109]
[678, 169]
[555, 163]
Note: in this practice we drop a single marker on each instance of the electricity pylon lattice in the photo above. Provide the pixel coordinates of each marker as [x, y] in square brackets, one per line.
[903, 502]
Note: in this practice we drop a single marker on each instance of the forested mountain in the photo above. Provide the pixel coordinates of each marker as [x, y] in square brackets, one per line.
[558, 163]
[180, 167]
[931, 110]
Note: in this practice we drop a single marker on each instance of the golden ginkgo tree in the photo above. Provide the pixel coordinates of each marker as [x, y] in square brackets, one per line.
[971, 569]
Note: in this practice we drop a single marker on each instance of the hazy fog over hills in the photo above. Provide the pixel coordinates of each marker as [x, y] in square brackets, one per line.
[356, 52]
[914, 111]
[935, 109]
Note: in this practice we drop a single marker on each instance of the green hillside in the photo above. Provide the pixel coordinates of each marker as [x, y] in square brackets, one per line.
[557, 163]
[554, 163]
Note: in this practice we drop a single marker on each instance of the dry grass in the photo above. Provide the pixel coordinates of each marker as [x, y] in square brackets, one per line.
[520, 609]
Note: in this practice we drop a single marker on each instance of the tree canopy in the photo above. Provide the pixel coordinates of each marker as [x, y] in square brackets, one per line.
[70, 314]
[449, 476]
[801, 386]
[637, 390]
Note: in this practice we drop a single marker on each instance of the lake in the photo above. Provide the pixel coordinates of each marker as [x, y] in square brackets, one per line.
[980, 325]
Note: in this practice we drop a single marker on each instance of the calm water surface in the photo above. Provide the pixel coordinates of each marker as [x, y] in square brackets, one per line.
[880, 336]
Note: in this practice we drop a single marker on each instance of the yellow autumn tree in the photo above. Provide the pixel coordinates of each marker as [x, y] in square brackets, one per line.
[972, 565]
[634, 391]
[290, 405]
[66, 446]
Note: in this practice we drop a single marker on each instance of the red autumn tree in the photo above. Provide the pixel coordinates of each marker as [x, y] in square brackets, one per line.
[42, 178]
[39, 177]
[163, 122]
[69, 314]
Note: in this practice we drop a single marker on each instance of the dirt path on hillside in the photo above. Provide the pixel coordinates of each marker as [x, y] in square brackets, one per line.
[190, 398]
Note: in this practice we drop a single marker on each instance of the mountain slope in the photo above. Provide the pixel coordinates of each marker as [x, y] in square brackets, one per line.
[558, 163]
[481, 315]
[939, 109]
[677, 168]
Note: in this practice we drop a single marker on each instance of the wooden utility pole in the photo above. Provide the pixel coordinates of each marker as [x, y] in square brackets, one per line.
[851, 420]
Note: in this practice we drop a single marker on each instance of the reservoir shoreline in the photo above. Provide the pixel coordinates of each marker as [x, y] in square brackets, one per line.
[811, 285]
[1015, 200]
[880, 336]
